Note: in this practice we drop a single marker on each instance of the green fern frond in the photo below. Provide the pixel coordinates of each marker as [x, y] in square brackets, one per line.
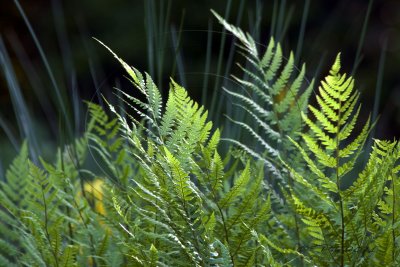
[359, 212]
[386, 220]
[153, 255]
[275, 88]
[103, 137]
[168, 198]
[182, 184]
[14, 194]
[274, 95]
[184, 199]
[237, 189]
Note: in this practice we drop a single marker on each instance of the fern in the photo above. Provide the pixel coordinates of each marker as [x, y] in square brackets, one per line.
[11, 196]
[332, 214]
[43, 222]
[383, 226]
[184, 200]
[106, 146]
[274, 100]
[36, 215]
[168, 196]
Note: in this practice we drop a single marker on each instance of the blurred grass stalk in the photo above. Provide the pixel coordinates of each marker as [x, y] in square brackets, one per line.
[24, 120]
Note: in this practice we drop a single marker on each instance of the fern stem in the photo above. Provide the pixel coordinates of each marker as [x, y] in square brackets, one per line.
[70, 231]
[342, 237]
[290, 180]
[224, 225]
[297, 227]
[226, 234]
[338, 186]
[393, 220]
[87, 229]
[46, 229]
[222, 216]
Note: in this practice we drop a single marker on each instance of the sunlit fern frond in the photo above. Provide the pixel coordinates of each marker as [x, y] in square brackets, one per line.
[166, 207]
[185, 199]
[181, 125]
[273, 98]
[331, 152]
[274, 95]
[382, 200]
[331, 141]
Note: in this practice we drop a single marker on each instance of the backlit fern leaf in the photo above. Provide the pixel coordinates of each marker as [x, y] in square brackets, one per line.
[182, 184]
[181, 127]
[328, 140]
[332, 152]
[384, 224]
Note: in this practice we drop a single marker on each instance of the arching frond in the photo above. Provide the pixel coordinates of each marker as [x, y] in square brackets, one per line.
[273, 97]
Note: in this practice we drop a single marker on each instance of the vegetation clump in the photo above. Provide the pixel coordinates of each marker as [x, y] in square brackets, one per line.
[169, 196]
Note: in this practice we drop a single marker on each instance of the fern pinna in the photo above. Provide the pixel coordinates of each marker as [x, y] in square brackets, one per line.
[341, 222]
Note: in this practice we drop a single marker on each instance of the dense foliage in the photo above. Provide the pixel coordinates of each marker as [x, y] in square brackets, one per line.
[168, 196]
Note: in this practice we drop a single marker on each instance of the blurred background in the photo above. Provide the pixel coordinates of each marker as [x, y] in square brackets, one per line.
[50, 63]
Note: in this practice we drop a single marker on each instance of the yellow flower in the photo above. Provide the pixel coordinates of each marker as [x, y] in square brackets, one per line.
[94, 192]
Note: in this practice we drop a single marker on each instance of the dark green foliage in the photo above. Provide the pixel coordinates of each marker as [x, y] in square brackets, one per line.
[168, 197]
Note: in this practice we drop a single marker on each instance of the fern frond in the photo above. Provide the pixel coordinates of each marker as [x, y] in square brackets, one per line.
[274, 82]
[332, 153]
[237, 189]
[273, 97]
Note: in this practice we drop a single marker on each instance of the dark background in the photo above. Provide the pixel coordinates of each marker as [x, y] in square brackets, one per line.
[82, 67]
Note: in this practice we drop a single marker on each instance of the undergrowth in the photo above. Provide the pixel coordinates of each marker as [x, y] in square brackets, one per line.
[168, 196]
